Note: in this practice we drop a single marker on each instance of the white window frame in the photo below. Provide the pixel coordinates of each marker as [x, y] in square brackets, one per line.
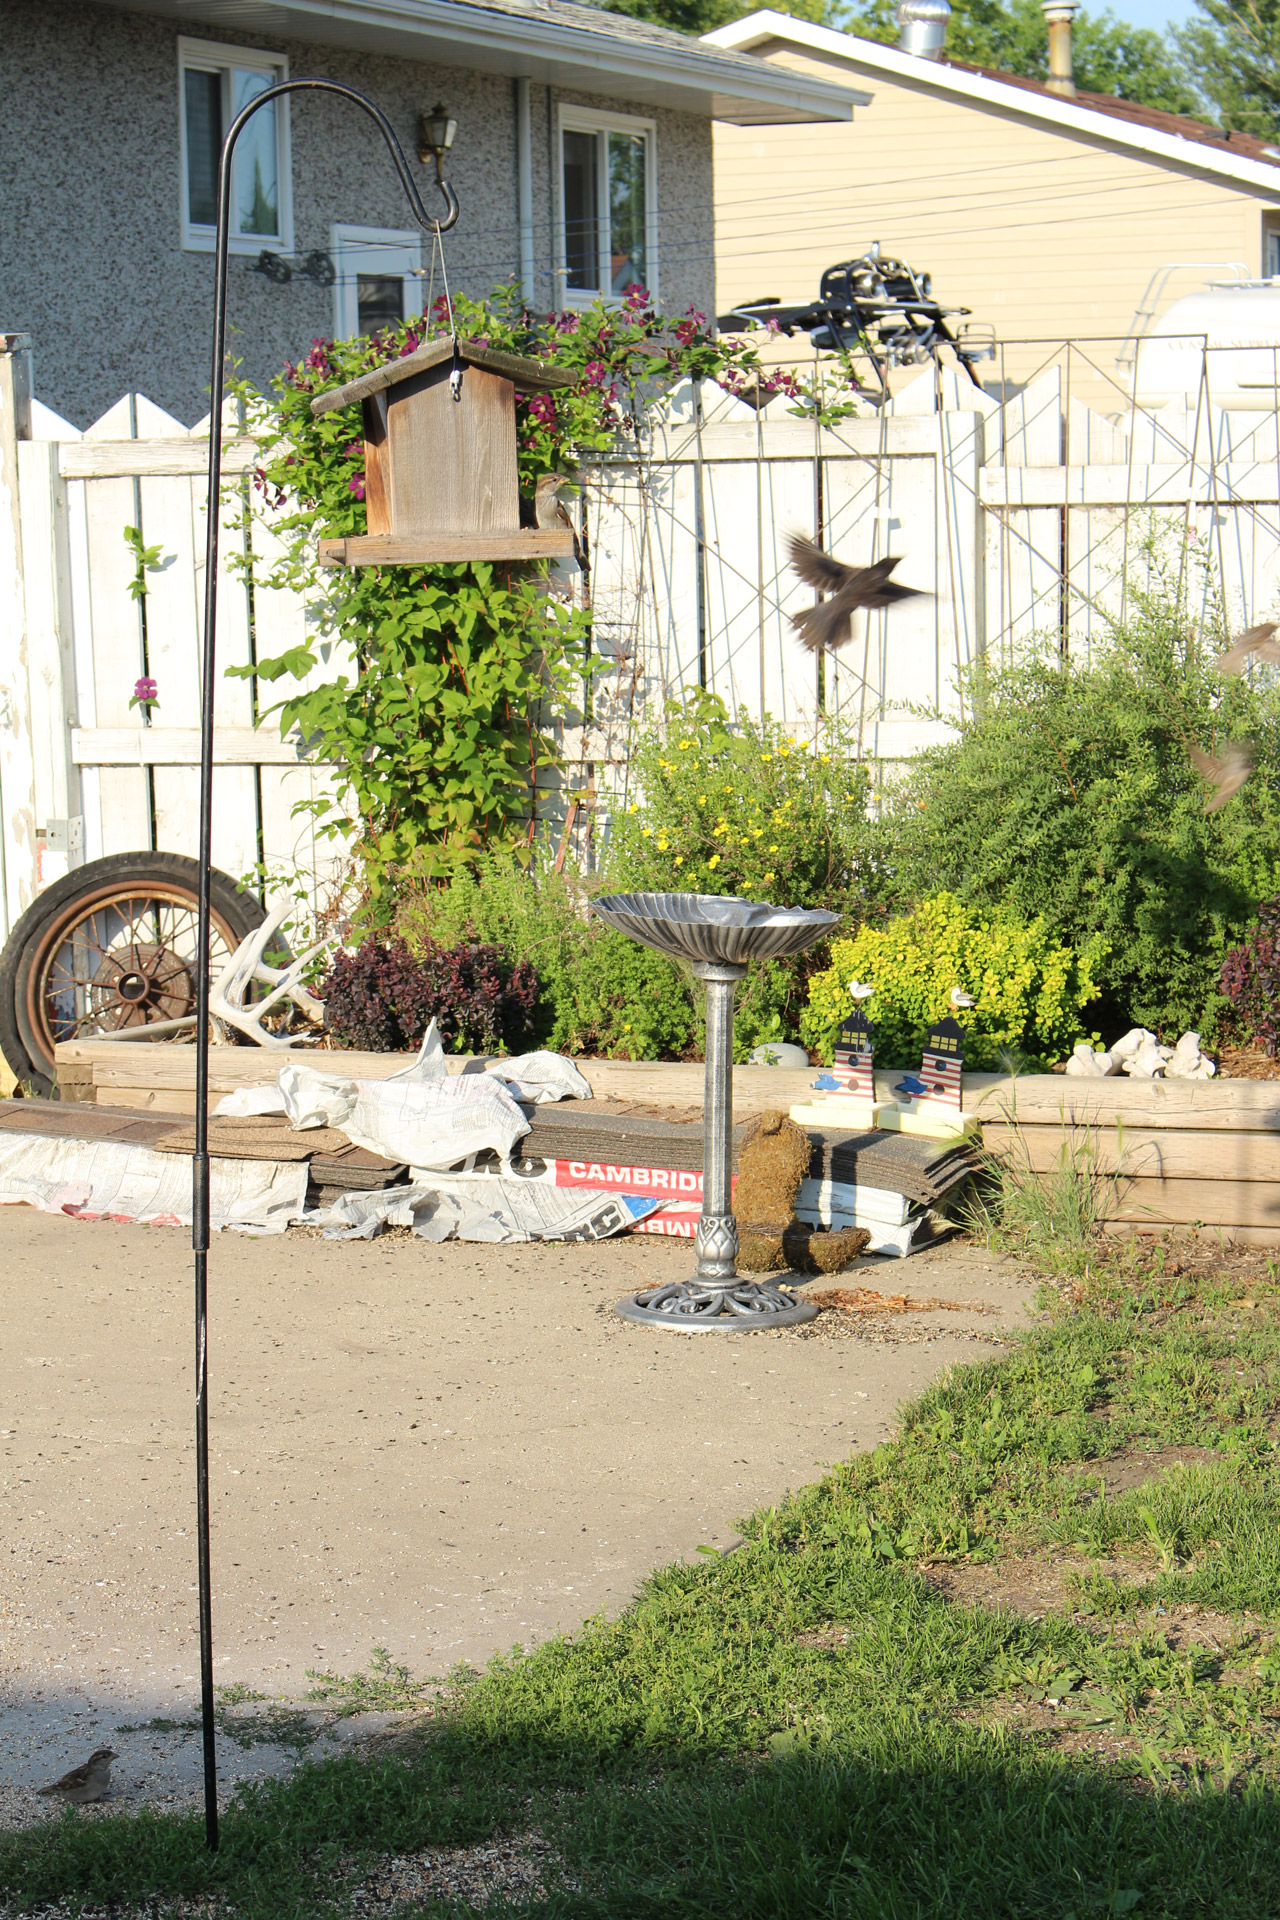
[214, 56]
[348, 243]
[572, 119]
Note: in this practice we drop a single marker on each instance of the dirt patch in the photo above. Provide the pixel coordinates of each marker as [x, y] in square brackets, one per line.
[868, 1300]
[1247, 1063]
[824, 1637]
[1028, 1585]
[1136, 1467]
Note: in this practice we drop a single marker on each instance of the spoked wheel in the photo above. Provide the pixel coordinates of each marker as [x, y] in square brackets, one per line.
[112, 946]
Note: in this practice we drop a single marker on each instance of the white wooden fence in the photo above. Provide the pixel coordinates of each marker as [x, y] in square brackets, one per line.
[1033, 518]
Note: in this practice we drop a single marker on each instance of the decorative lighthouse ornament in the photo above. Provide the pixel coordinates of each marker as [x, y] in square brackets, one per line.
[931, 1100]
[847, 1094]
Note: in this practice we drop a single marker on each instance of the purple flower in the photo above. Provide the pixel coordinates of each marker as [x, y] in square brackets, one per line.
[145, 689]
[356, 484]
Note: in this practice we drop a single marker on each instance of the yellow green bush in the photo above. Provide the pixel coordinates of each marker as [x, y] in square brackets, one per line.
[1029, 989]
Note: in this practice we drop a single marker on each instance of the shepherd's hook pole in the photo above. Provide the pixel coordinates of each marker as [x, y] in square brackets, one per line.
[200, 1166]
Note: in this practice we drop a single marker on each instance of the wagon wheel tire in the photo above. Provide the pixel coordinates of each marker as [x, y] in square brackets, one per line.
[135, 982]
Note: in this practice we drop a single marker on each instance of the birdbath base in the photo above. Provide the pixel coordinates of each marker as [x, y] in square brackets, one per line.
[734, 1306]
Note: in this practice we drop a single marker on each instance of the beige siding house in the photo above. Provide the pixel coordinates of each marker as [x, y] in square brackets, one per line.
[1047, 216]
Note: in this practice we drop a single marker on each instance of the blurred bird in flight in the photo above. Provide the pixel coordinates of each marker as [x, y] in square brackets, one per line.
[829, 623]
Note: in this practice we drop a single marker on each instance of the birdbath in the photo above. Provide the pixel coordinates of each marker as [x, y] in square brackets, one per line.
[719, 935]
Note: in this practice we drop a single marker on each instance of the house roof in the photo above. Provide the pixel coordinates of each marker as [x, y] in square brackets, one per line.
[1169, 137]
[555, 42]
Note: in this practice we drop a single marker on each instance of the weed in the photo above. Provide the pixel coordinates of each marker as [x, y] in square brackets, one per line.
[384, 1688]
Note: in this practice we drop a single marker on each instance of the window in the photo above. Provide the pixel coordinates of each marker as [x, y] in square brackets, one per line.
[607, 204]
[1270, 252]
[214, 84]
[379, 279]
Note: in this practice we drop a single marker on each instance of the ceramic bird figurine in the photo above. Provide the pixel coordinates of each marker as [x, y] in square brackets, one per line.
[550, 511]
[85, 1783]
[959, 998]
[828, 624]
[860, 990]
[1226, 771]
[1260, 642]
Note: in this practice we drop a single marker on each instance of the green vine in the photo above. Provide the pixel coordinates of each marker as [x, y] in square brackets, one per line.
[437, 718]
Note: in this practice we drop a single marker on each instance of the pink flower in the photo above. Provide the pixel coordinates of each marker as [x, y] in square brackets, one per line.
[145, 689]
[356, 484]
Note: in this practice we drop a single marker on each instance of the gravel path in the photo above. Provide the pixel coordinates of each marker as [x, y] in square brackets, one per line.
[439, 1450]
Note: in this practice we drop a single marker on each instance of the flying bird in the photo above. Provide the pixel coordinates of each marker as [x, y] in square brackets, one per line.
[959, 998]
[84, 1783]
[1226, 772]
[828, 623]
[550, 511]
[1259, 641]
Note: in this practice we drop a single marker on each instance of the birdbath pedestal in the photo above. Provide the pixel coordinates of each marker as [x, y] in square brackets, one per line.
[719, 935]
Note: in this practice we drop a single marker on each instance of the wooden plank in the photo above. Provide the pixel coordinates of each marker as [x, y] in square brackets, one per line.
[1054, 1100]
[18, 850]
[1223, 1234]
[117, 459]
[180, 747]
[452, 466]
[46, 563]
[1249, 1203]
[422, 549]
[1171, 1153]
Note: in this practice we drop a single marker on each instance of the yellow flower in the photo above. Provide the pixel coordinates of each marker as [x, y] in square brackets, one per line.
[646, 833]
[685, 745]
[679, 860]
[826, 759]
[714, 861]
[767, 878]
[702, 799]
[635, 808]
[773, 849]
[663, 844]
[765, 758]
[757, 831]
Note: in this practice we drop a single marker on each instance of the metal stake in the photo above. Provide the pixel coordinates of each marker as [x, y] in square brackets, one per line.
[200, 1166]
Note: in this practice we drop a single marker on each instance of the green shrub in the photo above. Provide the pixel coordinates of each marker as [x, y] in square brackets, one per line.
[1069, 796]
[599, 992]
[745, 810]
[1029, 990]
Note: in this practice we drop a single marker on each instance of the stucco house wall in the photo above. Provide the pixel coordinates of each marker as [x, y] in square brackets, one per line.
[91, 260]
[1048, 232]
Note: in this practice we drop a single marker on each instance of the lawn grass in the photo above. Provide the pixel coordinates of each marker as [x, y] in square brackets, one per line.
[825, 1722]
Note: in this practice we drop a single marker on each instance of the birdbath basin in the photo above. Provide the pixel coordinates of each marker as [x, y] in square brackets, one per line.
[719, 935]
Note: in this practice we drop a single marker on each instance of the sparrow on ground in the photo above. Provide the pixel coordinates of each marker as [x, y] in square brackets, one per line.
[550, 511]
[828, 624]
[1226, 772]
[1257, 640]
[89, 1782]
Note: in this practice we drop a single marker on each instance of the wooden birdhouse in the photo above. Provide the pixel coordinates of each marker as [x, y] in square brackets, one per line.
[440, 458]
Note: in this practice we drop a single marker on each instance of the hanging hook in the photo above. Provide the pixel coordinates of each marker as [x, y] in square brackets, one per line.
[451, 201]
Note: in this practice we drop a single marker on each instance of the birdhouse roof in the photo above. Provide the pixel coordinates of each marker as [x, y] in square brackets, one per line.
[946, 1029]
[531, 376]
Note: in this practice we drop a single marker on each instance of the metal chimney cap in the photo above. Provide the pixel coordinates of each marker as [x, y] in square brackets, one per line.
[922, 27]
[1056, 10]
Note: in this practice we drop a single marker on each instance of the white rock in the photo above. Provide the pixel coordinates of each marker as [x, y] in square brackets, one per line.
[778, 1053]
[1084, 1062]
[1148, 1062]
[1131, 1042]
[1188, 1063]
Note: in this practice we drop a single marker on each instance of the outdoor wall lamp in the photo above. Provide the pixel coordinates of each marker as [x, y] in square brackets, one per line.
[435, 136]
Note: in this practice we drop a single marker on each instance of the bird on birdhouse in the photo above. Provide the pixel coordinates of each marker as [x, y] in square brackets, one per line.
[828, 624]
[1226, 772]
[1260, 642]
[550, 510]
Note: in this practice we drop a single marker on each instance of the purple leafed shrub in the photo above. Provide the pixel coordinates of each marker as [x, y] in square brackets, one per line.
[382, 999]
[1250, 979]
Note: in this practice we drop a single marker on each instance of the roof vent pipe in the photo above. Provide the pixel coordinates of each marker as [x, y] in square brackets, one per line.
[922, 27]
[1060, 14]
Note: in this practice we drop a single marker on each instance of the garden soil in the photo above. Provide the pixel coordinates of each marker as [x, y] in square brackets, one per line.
[443, 1451]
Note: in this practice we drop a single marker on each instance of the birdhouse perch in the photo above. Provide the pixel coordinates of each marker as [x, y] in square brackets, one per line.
[440, 472]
